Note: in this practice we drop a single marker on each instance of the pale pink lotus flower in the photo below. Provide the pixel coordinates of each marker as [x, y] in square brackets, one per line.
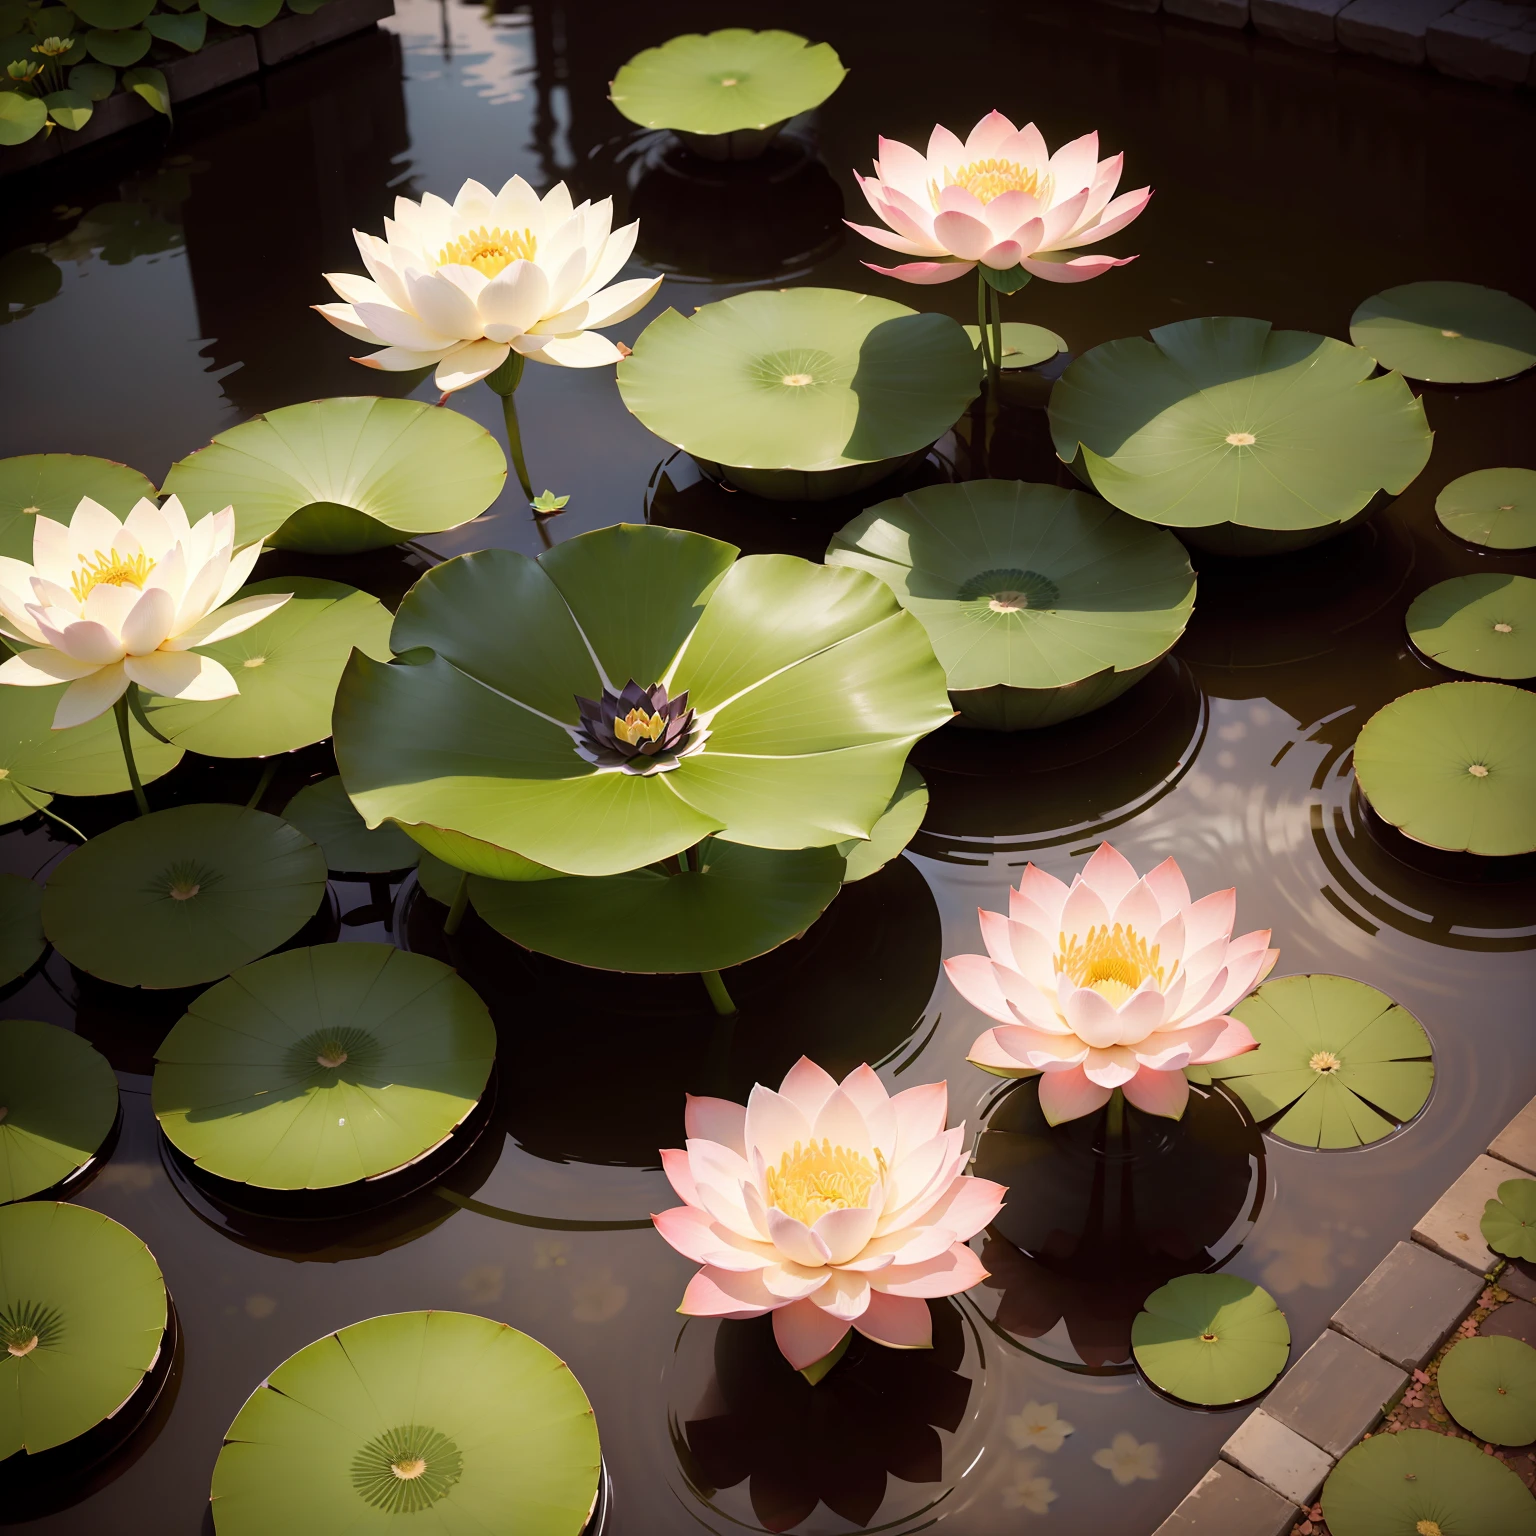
[1113, 982]
[1001, 198]
[831, 1205]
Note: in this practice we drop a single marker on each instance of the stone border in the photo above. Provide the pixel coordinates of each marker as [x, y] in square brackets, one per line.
[1273, 1466]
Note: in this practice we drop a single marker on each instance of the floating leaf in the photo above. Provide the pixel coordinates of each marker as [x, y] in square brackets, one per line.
[97, 81]
[1211, 1339]
[21, 117]
[1483, 625]
[53, 484]
[1509, 1223]
[71, 109]
[150, 84]
[895, 829]
[21, 929]
[27, 278]
[242, 13]
[1494, 508]
[1024, 346]
[1447, 333]
[112, 14]
[323, 813]
[118, 48]
[1488, 1385]
[188, 32]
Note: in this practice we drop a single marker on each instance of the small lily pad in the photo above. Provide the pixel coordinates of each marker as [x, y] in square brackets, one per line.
[892, 833]
[59, 1097]
[182, 896]
[1455, 767]
[1024, 346]
[1493, 508]
[1483, 625]
[1343, 1062]
[345, 475]
[1418, 1481]
[1447, 333]
[1488, 1385]
[1211, 1339]
[21, 926]
[52, 484]
[323, 813]
[1509, 1223]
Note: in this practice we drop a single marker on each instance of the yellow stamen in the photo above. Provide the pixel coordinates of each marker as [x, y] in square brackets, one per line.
[109, 569]
[637, 726]
[986, 179]
[489, 250]
[812, 1180]
[1112, 961]
[1324, 1061]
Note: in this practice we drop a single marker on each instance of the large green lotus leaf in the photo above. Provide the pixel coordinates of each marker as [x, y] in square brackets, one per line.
[90, 1294]
[323, 814]
[471, 856]
[1488, 1385]
[339, 476]
[38, 762]
[1494, 508]
[60, 1098]
[53, 484]
[903, 816]
[718, 82]
[1396, 1485]
[118, 49]
[739, 903]
[182, 896]
[1483, 625]
[287, 668]
[802, 378]
[506, 1433]
[1344, 1062]
[70, 109]
[112, 13]
[242, 13]
[21, 927]
[1224, 420]
[188, 32]
[1455, 767]
[1024, 346]
[21, 117]
[1509, 1223]
[1447, 333]
[1211, 1339]
[323, 1066]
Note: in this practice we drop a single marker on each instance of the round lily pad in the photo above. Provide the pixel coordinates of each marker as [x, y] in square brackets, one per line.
[1509, 1223]
[1024, 346]
[1418, 1481]
[339, 476]
[1042, 604]
[182, 896]
[462, 1422]
[739, 903]
[52, 484]
[1211, 1339]
[802, 393]
[287, 668]
[903, 816]
[1483, 625]
[1454, 767]
[323, 1066]
[1494, 508]
[21, 926]
[1246, 439]
[1488, 1385]
[1447, 333]
[323, 813]
[82, 1317]
[58, 1103]
[1343, 1062]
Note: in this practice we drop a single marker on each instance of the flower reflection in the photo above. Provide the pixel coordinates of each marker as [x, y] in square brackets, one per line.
[1126, 1459]
[1029, 1491]
[1037, 1428]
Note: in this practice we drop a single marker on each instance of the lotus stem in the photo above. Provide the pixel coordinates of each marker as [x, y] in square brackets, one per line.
[120, 709]
[996, 302]
[460, 904]
[263, 784]
[43, 810]
[505, 381]
[1114, 1121]
[718, 995]
[984, 302]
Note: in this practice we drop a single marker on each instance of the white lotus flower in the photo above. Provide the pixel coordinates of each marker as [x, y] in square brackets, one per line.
[464, 284]
[107, 603]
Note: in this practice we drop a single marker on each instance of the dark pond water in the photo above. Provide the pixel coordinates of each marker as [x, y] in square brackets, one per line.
[164, 298]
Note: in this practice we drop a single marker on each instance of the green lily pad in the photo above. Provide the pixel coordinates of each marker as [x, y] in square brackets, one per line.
[903, 816]
[1509, 1223]
[803, 393]
[1488, 1385]
[287, 668]
[323, 1066]
[1483, 625]
[739, 903]
[1211, 1339]
[1454, 767]
[439, 879]
[118, 48]
[1024, 346]
[344, 475]
[1493, 508]
[493, 1427]
[82, 1313]
[59, 1095]
[323, 813]
[52, 484]
[1042, 604]
[38, 762]
[182, 896]
[21, 117]
[1246, 439]
[1447, 333]
[811, 682]
[1396, 1485]
[21, 926]
[70, 109]
[1344, 1062]
[112, 13]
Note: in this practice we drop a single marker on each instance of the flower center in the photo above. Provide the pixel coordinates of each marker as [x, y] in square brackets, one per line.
[488, 251]
[638, 726]
[797, 380]
[26, 1325]
[406, 1470]
[332, 1054]
[1503, 629]
[1112, 962]
[109, 569]
[1478, 771]
[409, 1468]
[1429, 1528]
[1324, 1061]
[815, 1179]
[254, 661]
[1241, 439]
[986, 179]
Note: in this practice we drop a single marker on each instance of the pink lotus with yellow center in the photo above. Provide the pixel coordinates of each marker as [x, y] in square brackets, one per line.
[831, 1205]
[1111, 982]
[1001, 198]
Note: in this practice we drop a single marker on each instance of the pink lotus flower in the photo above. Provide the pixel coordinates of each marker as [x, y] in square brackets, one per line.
[1113, 982]
[831, 1205]
[1000, 198]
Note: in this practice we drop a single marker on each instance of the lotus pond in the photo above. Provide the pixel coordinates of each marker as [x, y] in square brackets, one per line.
[653, 720]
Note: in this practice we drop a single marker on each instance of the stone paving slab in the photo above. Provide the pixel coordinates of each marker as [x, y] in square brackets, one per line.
[1220, 13]
[1407, 1306]
[1336, 1392]
[1489, 51]
[1280, 1458]
[1451, 1225]
[1227, 1502]
[1307, 22]
[1390, 29]
[1516, 1143]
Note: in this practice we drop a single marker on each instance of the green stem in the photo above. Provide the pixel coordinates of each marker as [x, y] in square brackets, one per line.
[263, 784]
[460, 905]
[1114, 1125]
[718, 994]
[505, 381]
[120, 709]
[43, 810]
[996, 301]
[983, 307]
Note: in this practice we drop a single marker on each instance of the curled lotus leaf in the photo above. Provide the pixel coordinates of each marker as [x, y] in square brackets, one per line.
[806, 685]
[1509, 1223]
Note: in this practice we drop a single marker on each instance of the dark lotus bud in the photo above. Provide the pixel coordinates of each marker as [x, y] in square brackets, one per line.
[638, 729]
